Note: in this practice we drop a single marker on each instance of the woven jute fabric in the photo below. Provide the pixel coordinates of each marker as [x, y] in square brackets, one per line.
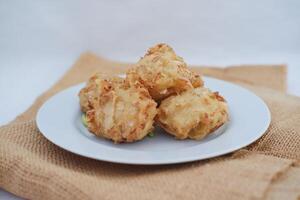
[34, 168]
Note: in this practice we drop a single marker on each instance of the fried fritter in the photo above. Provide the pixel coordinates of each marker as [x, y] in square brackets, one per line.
[192, 114]
[117, 110]
[163, 73]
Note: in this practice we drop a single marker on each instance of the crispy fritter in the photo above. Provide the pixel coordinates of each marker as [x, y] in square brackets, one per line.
[116, 110]
[192, 114]
[163, 73]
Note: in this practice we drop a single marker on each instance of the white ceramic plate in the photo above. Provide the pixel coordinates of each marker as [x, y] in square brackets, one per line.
[59, 120]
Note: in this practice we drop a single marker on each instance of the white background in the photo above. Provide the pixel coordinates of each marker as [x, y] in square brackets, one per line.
[40, 40]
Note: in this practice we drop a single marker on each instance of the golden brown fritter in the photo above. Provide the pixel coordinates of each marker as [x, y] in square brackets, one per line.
[163, 73]
[116, 110]
[192, 114]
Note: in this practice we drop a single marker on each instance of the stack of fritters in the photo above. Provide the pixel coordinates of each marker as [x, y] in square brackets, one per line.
[124, 110]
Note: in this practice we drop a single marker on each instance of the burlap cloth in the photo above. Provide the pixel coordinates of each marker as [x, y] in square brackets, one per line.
[32, 167]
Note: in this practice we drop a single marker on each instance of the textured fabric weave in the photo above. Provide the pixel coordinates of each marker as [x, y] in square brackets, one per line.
[34, 168]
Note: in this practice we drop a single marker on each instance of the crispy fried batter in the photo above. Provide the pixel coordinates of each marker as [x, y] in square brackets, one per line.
[117, 110]
[163, 73]
[192, 114]
[96, 85]
[123, 110]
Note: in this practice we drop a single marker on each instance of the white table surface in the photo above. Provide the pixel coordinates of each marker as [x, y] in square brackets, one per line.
[40, 40]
